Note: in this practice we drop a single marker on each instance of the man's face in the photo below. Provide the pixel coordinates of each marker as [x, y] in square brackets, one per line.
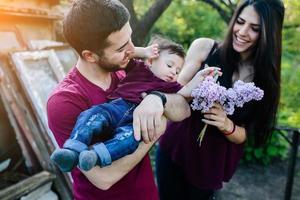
[116, 55]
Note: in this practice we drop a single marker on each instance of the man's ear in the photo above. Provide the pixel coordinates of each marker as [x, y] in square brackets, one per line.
[89, 56]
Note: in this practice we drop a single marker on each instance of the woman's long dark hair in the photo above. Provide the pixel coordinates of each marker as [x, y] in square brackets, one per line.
[266, 60]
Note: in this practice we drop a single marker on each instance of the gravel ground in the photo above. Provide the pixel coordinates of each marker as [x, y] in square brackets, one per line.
[255, 182]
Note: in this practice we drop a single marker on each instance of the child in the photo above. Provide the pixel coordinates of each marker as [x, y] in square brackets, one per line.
[158, 74]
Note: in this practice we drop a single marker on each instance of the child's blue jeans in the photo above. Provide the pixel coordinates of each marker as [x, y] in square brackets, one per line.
[117, 114]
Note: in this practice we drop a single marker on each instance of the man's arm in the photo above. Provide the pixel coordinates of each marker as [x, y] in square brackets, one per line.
[61, 124]
[147, 116]
[104, 178]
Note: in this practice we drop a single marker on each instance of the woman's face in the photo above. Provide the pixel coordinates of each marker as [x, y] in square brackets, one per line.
[246, 31]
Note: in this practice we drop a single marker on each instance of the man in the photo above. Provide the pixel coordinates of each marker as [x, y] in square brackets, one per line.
[99, 31]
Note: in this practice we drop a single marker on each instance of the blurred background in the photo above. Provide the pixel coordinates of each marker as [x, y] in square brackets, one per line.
[34, 57]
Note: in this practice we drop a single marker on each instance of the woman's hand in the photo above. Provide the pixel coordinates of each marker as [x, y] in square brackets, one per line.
[217, 117]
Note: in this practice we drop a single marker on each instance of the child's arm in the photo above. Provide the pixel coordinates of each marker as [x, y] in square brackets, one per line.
[145, 52]
[196, 54]
[186, 91]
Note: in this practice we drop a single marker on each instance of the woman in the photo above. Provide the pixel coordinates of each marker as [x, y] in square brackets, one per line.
[251, 51]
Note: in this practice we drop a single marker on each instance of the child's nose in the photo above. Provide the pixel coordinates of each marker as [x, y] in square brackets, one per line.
[173, 71]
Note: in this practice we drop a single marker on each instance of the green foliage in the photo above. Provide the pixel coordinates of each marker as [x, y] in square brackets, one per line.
[186, 20]
[292, 27]
[276, 148]
[290, 91]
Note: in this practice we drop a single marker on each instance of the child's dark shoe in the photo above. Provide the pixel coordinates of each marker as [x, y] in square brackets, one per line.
[65, 159]
[87, 160]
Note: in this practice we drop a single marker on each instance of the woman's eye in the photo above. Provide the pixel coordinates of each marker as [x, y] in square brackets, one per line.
[169, 66]
[239, 21]
[255, 29]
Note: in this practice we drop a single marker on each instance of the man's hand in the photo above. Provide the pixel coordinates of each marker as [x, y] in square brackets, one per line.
[148, 119]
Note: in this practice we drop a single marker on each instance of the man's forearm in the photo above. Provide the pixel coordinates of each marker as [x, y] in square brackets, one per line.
[176, 108]
[104, 178]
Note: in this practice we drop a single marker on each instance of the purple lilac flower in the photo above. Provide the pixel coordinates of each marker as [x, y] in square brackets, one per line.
[206, 94]
[209, 92]
[246, 92]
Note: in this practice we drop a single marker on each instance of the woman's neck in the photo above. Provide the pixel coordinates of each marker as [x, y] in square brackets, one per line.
[245, 72]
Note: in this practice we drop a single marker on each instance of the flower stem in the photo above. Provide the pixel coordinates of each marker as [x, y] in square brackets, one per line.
[201, 134]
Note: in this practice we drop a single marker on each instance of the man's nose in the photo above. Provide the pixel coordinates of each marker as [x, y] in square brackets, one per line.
[130, 46]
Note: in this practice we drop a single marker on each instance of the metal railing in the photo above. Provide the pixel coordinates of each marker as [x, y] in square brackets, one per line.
[292, 138]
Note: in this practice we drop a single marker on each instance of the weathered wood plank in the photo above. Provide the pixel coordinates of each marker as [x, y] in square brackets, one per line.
[26, 186]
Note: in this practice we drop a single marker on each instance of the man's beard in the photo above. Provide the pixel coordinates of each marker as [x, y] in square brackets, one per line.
[108, 67]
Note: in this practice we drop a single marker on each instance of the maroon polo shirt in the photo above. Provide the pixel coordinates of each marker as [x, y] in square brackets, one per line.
[72, 96]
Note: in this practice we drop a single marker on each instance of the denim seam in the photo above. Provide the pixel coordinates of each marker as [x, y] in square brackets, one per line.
[126, 114]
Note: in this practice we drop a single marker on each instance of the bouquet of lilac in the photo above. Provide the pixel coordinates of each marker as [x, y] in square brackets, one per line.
[209, 92]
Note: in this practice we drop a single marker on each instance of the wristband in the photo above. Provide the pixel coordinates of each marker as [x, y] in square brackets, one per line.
[162, 96]
[229, 133]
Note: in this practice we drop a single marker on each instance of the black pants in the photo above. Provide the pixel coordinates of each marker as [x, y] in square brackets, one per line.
[172, 184]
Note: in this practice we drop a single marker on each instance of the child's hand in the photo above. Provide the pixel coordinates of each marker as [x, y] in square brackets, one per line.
[210, 71]
[186, 91]
[151, 51]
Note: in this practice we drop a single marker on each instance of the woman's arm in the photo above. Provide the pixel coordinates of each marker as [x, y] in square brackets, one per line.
[196, 54]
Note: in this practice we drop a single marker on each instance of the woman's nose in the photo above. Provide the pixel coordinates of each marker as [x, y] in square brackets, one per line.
[243, 30]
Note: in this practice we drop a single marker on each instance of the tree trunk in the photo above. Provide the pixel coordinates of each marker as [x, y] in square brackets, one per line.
[141, 27]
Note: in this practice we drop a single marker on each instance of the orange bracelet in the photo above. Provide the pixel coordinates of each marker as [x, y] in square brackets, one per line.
[229, 133]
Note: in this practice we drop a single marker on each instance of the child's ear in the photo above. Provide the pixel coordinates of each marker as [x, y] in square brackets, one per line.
[149, 61]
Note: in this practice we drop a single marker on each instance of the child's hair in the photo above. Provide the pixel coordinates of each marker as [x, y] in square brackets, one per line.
[165, 44]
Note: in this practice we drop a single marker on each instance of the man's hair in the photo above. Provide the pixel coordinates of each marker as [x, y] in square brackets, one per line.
[165, 44]
[89, 22]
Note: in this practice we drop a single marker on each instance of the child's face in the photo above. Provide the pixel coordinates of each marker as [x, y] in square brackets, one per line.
[167, 66]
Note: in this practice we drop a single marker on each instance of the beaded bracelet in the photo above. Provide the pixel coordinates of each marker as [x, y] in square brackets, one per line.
[229, 133]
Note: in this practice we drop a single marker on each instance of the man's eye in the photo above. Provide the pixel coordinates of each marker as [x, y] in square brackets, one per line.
[169, 66]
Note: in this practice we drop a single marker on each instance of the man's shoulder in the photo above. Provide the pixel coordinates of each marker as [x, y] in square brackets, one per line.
[68, 92]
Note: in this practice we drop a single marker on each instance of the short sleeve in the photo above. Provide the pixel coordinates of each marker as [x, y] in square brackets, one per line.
[62, 111]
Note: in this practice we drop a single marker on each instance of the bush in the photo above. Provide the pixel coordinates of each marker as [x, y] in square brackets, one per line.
[277, 147]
